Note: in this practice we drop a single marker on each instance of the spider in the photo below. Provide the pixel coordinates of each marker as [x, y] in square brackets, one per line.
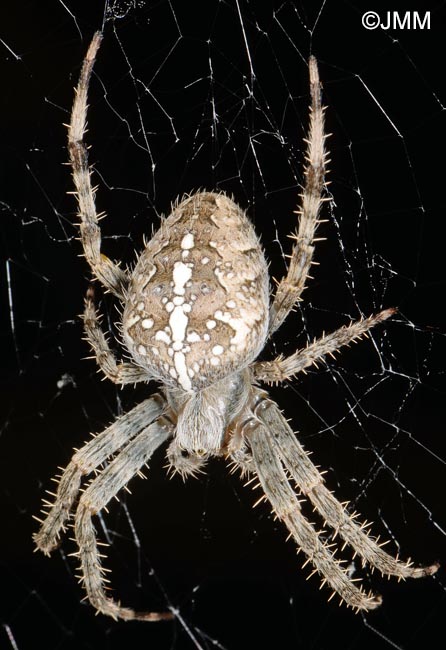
[196, 315]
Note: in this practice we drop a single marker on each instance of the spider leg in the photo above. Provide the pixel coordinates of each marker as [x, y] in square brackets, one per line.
[291, 287]
[85, 461]
[311, 485]
[119, 373]
[102, 489]
[106, 271]
[283, 368]
[280, 494]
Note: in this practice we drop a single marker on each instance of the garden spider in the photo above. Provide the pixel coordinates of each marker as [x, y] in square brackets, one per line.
[196, 314]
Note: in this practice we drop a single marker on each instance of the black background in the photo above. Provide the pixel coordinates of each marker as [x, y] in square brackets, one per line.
[374, 419]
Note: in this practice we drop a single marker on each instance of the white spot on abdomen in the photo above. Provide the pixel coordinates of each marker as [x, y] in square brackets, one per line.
[181, 274]
[162, 336]
[188, 241]
[178, 322]
[180, 365]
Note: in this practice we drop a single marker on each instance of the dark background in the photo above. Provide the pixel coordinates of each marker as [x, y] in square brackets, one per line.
[374, 418]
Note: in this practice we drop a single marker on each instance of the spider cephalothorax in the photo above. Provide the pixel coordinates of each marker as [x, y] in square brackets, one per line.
[196, 314]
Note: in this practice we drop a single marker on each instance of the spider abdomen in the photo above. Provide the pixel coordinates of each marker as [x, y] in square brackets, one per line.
[197, 306]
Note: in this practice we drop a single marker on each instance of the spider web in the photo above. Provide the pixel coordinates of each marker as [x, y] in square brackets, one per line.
[219, 100]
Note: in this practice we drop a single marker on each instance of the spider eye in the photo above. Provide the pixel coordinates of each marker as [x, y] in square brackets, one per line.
[158, 290]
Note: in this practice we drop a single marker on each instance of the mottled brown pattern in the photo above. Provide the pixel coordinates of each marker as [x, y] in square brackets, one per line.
[227, 294]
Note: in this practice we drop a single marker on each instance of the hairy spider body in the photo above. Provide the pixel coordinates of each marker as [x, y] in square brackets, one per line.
[196, 314]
